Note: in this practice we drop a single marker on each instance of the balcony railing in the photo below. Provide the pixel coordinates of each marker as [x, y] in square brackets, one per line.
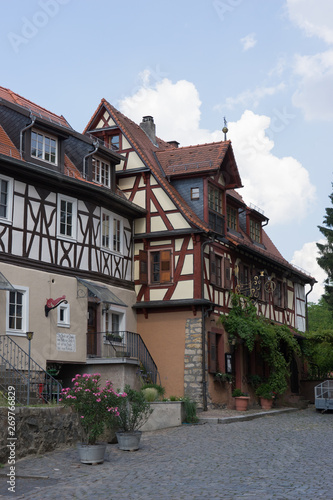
[122, 344]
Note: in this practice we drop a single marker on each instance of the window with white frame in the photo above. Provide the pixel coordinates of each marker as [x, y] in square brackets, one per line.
[44, 147]
[114, 323]
[111, 232]
[64, 315]
[67, 215]
[6, 198]
[101, 172]
[17, 311]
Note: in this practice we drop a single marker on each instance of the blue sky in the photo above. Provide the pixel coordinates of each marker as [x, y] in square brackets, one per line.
[267, 66]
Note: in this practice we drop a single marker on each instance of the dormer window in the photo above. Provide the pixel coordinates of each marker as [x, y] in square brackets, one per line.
[255, 231]
[232, 218]
[215, 209]
[101, 172]
[44, 147]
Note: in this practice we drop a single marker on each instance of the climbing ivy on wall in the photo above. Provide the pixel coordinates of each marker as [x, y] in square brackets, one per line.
[277, 342]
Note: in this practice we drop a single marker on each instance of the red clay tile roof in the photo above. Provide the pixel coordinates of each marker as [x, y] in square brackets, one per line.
[200, 158]
[7, 147]
[146, 149]
[168, 157]
[71, 170]
[14, 98]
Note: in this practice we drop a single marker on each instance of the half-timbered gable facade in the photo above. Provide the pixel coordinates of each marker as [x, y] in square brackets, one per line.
[66, 237]
[198, 242]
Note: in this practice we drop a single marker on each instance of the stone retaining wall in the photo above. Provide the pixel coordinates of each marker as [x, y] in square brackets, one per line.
[42, 429]
[38, 430]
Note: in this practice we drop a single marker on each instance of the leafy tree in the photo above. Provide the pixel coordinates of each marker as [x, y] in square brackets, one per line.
[319, 316]
[318, 346]
[325, 260]
[276, 341]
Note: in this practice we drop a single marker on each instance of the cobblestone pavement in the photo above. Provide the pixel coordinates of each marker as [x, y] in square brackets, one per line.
[281, 456]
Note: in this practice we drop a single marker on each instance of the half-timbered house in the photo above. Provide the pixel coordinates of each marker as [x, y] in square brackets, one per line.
[198, 242]
[66, 244]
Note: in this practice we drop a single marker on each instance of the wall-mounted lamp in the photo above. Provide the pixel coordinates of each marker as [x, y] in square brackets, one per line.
[106, 309]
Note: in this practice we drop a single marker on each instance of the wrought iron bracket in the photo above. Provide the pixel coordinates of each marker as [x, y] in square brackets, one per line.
[53, 303]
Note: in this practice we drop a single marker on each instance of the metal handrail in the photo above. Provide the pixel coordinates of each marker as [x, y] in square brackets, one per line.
[15, 367]
[129, 344]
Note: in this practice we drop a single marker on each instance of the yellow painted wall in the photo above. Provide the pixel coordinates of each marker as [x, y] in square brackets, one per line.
[164, 335]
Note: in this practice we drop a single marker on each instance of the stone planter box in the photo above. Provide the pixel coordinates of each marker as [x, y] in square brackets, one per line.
[165, 414]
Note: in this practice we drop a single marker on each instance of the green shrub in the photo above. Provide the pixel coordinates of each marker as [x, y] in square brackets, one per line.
[190, 408]
[150, 394]
[160, 390]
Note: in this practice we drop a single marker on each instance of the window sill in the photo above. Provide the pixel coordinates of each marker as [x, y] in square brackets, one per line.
[15, 333]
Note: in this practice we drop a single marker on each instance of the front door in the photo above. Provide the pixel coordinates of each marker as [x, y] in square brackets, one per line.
[92, 330]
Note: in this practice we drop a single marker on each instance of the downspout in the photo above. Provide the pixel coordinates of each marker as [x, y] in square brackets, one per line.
[306, 309]
[33, 119]
[203, 328]
[96, 145]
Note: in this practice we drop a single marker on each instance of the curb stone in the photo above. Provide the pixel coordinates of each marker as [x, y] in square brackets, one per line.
[244, 418]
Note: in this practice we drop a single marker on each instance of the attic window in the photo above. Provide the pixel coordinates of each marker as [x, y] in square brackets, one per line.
[101, 172]
[195, 193]
[232, 218]
[44, 147]
[255, 230]
[114, 142]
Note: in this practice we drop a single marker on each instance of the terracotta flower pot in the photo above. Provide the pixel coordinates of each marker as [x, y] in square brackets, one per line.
[266, 404]
[242, 403]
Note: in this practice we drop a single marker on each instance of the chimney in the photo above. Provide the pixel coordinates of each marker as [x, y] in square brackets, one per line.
[174, 144]
[148, 126]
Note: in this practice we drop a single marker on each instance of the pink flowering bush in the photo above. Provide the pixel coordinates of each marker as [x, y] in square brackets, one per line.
[95, 406]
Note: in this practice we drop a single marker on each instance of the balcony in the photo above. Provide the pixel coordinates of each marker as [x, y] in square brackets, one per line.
[122, 344]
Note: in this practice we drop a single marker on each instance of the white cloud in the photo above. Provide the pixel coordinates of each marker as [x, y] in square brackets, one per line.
[316, 85]
[249, 41]
[315, 71]
[306, 258]
[174, 106]
[279, 186]
[251, 98]
[315, 17]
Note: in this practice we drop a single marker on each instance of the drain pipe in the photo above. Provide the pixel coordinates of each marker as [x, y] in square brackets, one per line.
[96, 146]
[33, 119]
[306, 309]
[204, 313]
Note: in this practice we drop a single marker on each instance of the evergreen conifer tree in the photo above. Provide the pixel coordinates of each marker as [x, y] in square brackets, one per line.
[325, 260]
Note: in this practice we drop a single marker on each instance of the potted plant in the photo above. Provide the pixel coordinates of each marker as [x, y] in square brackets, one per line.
[266, 395]
[93, 406]
[224, 377]
[114, 337]
[241, 400]
[133, 411]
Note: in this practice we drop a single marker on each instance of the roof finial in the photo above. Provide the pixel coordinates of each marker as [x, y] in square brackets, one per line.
[225, 128]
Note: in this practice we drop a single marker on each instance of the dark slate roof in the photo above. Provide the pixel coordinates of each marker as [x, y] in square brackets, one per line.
[14, 98]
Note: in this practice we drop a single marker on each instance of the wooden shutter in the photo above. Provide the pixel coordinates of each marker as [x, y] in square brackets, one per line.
[212, 361]
[143, 267]
[227, 273]
[165, 261]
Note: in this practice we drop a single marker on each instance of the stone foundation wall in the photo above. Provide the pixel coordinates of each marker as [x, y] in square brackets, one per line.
[38, 430]
[193, 360]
